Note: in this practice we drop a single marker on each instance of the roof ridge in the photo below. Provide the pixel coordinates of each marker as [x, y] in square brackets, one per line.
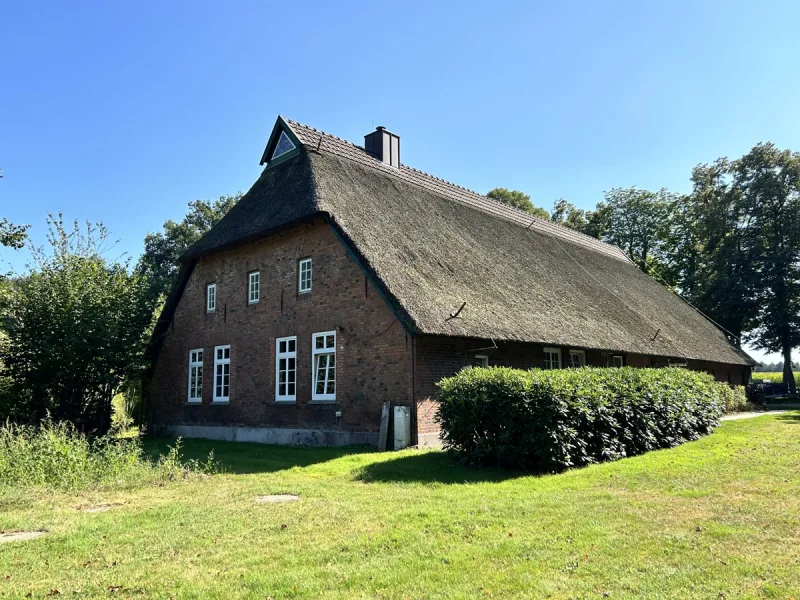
[510, 212]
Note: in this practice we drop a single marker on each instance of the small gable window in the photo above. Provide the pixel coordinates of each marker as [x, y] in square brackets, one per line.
[283, 146]
[305, 275]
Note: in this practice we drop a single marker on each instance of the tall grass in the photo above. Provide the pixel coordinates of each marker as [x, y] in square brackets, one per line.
[56, 456]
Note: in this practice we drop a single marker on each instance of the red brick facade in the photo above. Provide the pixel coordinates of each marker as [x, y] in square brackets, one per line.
[376, 359]
[373, 355]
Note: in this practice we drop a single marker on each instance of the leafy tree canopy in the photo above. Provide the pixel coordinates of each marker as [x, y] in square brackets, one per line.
[75, 329]
[12, 236]
[517, 199]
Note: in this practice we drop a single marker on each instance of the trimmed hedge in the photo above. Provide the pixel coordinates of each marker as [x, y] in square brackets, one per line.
[548, 421]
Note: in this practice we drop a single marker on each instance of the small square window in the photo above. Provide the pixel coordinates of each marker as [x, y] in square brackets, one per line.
[253, 287]
[618, 361]
[211, 297]
[305, 275]
[482, 360]
[552, 358]
[577, 358]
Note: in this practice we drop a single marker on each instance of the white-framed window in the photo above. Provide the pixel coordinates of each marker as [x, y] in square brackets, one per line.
[482, 360]
[211, 297]
[283, 146]
[304, 271]
[222, 373]
[552, 358]
[618, 361]
[195, 376]
[577, 358]
[286, 369]
[253, 287]
[323, 352]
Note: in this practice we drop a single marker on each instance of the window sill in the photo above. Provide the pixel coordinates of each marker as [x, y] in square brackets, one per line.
[194, 403]
[220, 402]
[323, 401]
[285, 401]
[251, 302]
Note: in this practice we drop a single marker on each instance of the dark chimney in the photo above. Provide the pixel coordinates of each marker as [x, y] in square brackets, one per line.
[383, 145]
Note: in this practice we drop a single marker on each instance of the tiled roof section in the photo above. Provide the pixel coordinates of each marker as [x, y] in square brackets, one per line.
[313, 139]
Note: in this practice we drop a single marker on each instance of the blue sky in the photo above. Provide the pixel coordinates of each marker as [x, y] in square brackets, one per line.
[124, 112]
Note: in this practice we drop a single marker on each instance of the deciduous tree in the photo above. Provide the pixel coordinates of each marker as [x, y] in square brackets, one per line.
[517, 199]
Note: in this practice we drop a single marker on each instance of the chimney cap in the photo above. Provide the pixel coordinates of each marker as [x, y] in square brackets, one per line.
[380, 128]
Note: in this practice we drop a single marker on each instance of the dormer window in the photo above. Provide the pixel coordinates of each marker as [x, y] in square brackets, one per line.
[283, 146]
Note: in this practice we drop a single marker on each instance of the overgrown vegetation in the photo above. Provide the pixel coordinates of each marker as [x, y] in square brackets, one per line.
[547, 421]
[57, 456]
[75, 330]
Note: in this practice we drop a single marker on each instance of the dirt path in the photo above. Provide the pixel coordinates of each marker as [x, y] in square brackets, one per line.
[750, 415]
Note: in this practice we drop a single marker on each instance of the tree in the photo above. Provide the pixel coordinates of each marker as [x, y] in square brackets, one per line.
[768, 183]
[567, 214]
[159, 262]
[76, 327]
[712, 254]
[12, 236]
[517, 199]
[639, 224]
[598, 221]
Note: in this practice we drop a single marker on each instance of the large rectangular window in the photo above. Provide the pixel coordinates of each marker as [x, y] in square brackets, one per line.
[222, 374]
[286, 369]
[552, 358]
[195, 376]
[305, 275]
[323, 351]
[253, 287]
[211, 297]
[577, 358]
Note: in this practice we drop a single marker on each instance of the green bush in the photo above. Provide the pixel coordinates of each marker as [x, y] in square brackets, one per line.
[56, 456]
[756, 394]
[547, 421]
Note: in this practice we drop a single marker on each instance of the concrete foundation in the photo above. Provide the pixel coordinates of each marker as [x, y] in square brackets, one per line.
[273, 435]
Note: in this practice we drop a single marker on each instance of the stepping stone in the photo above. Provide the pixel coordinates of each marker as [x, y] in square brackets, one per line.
[20, 536]
[277, 498]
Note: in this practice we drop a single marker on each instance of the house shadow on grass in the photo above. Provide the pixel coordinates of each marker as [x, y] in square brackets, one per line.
[248, 458]
[431, 467]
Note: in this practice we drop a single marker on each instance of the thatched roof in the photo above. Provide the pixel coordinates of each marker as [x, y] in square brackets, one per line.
[432, 246]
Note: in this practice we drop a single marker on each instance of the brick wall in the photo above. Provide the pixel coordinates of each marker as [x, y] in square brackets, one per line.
[373, 358]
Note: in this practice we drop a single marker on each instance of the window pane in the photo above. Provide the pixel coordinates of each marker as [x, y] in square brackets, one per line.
[227, 352]
[291, 389]
[282, 347]
[291, 363]
[291, 345]
[219, 353]
[319, 342]
[329, 341]
[282, 389]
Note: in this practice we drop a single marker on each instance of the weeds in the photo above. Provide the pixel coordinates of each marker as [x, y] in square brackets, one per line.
[56, 456]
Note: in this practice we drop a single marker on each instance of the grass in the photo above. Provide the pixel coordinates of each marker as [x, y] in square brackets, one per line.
[716, 518]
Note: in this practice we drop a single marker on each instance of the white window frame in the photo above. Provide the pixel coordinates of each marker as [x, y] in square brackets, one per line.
[315, 354]
[581, 354]
[253, 287]
[211, 297]
[483, 359]
[548, 361]
[621, 360]
[285, 355]
[195, 362]
[305, 264]
[221, 362]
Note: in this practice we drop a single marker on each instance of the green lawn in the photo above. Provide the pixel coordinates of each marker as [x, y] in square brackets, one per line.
[717, 518]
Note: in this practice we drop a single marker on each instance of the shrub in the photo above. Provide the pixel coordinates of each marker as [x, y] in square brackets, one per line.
[547, 421]
[56, 456]
[735, 399]
[756, 394]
